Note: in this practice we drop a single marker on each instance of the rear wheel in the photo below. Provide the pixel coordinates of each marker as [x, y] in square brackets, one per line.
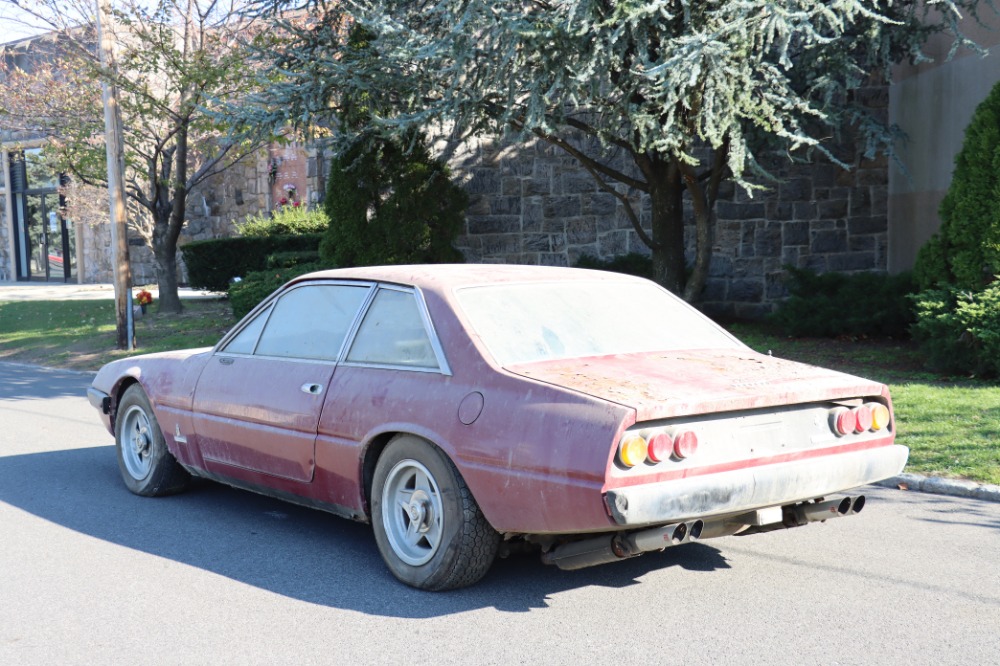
[429, 529]
[147, 467]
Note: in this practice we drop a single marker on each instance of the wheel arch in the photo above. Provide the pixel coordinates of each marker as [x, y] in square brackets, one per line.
[124, 384]
[375, 445]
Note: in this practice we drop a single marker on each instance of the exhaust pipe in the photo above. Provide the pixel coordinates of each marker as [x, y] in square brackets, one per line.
[601, 550]
[797, 515]
[812, 512]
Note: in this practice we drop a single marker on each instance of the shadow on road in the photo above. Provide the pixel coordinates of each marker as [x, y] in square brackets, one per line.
[292, 551]
[30, 382]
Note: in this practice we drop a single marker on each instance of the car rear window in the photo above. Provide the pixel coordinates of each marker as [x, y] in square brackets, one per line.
[528, 322]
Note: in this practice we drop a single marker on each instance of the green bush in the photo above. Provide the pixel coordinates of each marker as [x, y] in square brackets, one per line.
[211, 264]
[258, 285]
[959, 331]
[283, 222]
[966, 250]
[389, 205]
[290, 259]
[631, 264]
[841, 304]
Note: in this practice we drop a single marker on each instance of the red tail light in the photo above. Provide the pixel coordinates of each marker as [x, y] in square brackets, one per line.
[685, 444]
[661, 447]
[863, 417]
[843, 421]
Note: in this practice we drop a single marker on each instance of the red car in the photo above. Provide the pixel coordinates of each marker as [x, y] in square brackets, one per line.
[468, 410]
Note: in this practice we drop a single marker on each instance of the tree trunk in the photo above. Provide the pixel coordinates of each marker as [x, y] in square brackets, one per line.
[165, 254]
[665, 194]
[166, 280]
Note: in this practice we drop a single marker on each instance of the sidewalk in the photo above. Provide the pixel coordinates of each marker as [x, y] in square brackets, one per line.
[56, 291]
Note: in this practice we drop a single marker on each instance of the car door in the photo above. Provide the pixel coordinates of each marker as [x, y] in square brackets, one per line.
[258, 400]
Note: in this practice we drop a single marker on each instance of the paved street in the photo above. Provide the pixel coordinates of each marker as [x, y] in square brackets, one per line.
[90, 574]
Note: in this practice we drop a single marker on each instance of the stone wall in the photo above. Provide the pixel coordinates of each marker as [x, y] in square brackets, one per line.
[534, 205]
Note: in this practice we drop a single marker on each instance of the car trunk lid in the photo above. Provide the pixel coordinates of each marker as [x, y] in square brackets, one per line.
[667, 384]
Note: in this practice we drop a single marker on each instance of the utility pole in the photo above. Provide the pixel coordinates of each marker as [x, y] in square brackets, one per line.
[116, 178]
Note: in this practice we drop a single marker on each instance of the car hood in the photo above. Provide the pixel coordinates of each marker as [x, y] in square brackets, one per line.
[667, 384]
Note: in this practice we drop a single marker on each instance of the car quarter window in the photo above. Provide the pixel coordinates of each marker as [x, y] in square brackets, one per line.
[393, 333]
[311, 321]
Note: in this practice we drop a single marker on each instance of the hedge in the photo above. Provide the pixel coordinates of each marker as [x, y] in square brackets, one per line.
[212, 264]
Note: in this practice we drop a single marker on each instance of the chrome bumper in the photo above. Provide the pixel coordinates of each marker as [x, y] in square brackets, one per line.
[744, 490]
[99, 400]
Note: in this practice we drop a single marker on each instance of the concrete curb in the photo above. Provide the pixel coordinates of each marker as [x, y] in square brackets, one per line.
[941, 486]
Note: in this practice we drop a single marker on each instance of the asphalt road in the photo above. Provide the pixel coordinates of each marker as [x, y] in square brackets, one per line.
[90, 574]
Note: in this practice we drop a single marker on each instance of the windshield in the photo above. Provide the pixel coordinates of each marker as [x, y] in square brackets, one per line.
[523, 323]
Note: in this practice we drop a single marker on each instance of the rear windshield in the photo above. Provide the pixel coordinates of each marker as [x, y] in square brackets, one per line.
[540, 321]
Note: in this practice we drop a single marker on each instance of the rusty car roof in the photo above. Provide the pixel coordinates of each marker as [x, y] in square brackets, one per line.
[446, 276]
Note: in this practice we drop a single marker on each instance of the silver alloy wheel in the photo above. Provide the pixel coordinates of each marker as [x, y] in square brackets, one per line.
[412, 512]
[137, 442]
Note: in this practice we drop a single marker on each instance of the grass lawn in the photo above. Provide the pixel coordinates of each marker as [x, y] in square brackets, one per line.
[80, 335]
[952, 425]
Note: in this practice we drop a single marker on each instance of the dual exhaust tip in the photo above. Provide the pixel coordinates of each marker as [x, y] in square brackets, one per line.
[604, 549]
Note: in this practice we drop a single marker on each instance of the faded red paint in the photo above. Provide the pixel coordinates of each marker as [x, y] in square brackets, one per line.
[540, 454]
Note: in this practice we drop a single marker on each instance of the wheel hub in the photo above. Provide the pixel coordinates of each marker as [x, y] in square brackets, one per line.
[141, 442]
[419, 510]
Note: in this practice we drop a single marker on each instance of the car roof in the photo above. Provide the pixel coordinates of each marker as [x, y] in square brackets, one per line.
[448, 276]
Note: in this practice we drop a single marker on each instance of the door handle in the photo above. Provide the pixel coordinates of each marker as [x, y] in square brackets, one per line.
[226, 360]
[312, 389]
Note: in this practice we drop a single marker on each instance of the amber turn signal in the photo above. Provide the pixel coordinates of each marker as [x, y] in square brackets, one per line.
[632, 451]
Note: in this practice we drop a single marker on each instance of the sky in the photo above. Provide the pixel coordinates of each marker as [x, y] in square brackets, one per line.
[11, 26]
[17, 24]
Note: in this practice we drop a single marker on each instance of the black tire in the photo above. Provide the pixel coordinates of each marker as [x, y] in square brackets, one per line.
[439, 539]
[147, 466]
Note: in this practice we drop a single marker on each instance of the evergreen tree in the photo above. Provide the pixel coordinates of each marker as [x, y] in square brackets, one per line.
[390, 204]
[688, 92]
[965, 251]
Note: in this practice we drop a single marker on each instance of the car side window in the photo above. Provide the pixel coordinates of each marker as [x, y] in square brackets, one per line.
[311, 321]
[246, 340]
[393, 333]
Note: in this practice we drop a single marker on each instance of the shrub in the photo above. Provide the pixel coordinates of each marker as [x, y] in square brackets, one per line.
[959, 331]
[390, 205]
[966, 250]
[631, 264]
[211, 264]
[258, 285]
[284, 221]
[840, 304]
[290, 259]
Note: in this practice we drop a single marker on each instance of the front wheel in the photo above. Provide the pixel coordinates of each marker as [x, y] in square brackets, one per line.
[428, 527]
[147, 467]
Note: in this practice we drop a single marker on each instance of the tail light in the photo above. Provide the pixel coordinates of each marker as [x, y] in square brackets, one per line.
[863, 418]
[685, 444]
[661, 447]
[880, 416]
[633, 450]
[843, 421]
[656, 446]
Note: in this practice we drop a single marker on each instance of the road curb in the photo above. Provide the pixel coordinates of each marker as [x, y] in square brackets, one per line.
[940, 486]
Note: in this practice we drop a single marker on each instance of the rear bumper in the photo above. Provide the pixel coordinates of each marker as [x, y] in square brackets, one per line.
[744, 490]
